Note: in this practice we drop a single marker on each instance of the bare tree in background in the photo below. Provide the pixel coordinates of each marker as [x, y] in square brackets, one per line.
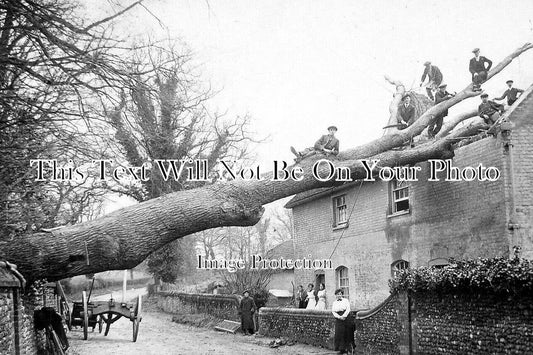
[54, 68]
[165, 116]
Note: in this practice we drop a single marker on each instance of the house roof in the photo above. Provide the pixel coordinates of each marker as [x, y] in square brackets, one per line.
[310, 195]
[284, 250]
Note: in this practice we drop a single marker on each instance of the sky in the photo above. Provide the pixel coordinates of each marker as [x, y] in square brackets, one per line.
[297, 67]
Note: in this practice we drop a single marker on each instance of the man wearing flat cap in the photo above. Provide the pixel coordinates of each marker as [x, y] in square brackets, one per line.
[511, 93]
[406, 113]
[489, 110]
[479, 67]
[327, 144]
[434, 76]
[246, 311]
[440, 96]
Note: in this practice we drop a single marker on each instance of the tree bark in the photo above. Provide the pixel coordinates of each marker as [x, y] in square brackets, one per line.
[124, 238]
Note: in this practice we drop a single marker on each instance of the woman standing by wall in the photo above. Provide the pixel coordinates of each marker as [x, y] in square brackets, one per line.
[321, 294]
[311, 300]
[344, 324]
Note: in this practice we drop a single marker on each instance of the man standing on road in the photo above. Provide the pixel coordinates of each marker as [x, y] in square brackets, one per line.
[246, 311]
[434, 78]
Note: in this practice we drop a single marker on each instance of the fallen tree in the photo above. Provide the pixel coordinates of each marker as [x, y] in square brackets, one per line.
[124, 238]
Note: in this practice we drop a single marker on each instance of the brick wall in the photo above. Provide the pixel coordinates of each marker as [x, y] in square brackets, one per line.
[522, 168]
[220, 306]
[305, 326]
[446, 219]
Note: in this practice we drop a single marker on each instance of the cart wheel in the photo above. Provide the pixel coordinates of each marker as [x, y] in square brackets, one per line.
[108, 323]
[100, 324]
[85, 314]
[137, 317]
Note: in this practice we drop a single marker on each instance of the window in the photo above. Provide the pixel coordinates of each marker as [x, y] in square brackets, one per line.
[398, 266]
[342, 280]
[340, 217]
[399, 197]
[438, 263]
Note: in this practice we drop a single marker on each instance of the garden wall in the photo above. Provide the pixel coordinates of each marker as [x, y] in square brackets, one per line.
[305, 326]
[472, 323]
[220, 306]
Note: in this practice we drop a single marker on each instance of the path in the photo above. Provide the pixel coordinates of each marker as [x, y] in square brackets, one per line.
[159, 335]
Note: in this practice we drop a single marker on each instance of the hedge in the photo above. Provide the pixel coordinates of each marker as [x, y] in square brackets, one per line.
[513, 277]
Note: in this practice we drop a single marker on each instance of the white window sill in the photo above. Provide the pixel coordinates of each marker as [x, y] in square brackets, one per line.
[340, 226]
[401, 213]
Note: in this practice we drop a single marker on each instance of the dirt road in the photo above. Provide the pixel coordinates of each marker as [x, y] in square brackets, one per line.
[159, 335]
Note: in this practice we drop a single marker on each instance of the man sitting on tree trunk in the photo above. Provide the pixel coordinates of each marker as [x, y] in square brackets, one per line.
[478, 69]
[434, 78]
[327, 144]
[440, 96]
[406, 113]
[489, 110]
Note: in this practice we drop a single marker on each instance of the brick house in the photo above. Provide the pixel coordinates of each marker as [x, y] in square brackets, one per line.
[395, 225]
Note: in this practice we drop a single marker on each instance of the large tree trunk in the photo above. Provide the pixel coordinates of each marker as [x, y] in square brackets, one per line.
[124, 238]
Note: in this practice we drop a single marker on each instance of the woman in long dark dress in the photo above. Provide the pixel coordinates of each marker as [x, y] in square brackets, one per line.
[246, 310]
[344, 323]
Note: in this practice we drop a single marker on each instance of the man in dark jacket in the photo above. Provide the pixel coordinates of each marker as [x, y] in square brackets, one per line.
[434, 76]
[440, 96]
[247, 309]
[479, 67]
[406, 113]
[511, 93]
[327, 144]
[489, 110]
[301, 296]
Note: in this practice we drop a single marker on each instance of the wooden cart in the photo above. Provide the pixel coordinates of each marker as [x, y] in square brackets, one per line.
[89, 314]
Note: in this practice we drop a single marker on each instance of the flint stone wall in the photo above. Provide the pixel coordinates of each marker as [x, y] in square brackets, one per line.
[314, 327]
[220, 306]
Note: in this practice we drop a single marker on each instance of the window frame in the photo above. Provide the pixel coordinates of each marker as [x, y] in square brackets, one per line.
[336, 212]
[394, 269]
[346, 279]
[395, 186]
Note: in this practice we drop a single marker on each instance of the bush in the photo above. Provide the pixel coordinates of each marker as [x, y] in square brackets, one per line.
[497, 275]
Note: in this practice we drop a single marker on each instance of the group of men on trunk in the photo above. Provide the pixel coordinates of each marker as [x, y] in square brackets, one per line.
[479, 67]
[489, 110]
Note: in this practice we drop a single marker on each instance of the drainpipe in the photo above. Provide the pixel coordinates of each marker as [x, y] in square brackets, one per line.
[512, 224]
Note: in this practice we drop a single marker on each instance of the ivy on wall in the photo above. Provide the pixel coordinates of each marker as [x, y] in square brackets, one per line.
[513, 277]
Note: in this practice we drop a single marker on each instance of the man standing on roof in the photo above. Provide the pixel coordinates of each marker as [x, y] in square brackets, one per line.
[434, 78]
[327, 144]
[479, 67]
[511, 93]
[489, 110]
[440, 96]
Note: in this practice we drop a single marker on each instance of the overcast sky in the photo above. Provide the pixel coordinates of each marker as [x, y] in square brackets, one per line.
[299, 66]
